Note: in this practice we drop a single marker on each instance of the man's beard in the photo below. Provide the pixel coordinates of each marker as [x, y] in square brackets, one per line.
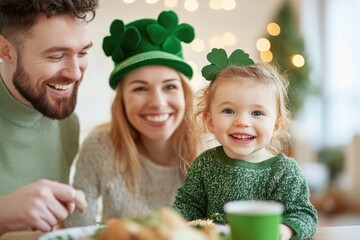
[59, 109]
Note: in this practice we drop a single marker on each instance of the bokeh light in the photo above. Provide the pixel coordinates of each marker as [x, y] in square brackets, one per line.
[198, 45]
[170, 3]
[229, 39]
[216, 42]
[215, 4]
[263, 44]
[151, 1]
[298, 60]
[273, 29]
[228, 4]
[191, 5]
[266, 56]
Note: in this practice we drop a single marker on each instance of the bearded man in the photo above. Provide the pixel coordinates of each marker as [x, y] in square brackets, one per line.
[43, 48]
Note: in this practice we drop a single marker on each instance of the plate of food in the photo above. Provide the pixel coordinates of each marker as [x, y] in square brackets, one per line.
[76, 233]
[162, 224]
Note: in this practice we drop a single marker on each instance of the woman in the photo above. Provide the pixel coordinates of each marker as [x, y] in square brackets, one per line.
[138, 160]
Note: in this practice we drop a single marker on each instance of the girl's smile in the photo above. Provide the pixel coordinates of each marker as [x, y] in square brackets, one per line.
[243, 118]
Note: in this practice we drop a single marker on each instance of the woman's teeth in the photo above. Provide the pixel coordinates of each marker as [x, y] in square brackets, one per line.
[157, 118]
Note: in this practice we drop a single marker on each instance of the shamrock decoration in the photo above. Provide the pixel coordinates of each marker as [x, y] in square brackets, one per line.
[219, 61]
[168, 34]
[119, 40]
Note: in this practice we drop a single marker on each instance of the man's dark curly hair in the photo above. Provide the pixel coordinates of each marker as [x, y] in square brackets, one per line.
[17, 17]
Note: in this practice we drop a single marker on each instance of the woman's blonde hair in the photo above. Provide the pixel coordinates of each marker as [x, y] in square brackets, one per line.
[259, 73]
[125, 137]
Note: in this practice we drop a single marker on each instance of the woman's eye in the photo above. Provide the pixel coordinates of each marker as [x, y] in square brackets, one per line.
[170, 87]
[139, 89]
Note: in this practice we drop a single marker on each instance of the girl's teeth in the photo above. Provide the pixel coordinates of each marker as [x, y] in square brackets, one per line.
[242, 136]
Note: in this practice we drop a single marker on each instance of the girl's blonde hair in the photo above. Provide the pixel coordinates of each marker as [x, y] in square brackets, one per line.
[259, 73]
[126, 139]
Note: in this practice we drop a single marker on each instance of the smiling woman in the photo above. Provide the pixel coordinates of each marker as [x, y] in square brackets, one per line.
[156, 103]
[138, 160]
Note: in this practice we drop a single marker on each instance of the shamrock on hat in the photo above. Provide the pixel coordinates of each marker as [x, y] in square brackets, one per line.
[147, 42]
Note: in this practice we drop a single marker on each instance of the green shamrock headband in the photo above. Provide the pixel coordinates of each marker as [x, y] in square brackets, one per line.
[219, 61]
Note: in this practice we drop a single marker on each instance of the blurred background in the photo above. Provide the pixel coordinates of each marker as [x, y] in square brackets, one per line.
[315, 42]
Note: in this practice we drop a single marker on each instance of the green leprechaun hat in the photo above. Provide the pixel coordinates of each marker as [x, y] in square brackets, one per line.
[147, 42]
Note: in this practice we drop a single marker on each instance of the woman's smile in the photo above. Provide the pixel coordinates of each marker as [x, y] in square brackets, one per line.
[157, 118]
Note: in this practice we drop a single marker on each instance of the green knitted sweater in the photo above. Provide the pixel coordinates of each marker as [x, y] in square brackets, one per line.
[32, 146]
[215, 179]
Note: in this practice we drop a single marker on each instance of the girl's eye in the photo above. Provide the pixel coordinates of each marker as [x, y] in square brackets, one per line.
[257, 113]
[228, 111]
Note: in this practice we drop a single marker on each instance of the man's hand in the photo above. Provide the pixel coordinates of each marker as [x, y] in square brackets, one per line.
[39, 206]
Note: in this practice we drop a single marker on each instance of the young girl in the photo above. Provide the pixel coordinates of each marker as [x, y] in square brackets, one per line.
[137, 162]
[245, 108]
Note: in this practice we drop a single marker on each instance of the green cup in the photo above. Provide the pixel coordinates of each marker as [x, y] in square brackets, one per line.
[254, 220]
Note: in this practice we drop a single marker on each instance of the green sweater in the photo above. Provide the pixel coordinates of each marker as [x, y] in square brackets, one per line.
[32, 146]
[215, 179]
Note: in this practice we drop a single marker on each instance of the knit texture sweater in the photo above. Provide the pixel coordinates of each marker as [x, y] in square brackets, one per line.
[32, 146]
[215, 179]
[98, 174]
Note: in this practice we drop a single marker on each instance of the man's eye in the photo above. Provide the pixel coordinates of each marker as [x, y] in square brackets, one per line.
[83, 54]
[56, 57]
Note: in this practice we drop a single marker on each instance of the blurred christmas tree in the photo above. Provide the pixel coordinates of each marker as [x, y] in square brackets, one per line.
[287, 51]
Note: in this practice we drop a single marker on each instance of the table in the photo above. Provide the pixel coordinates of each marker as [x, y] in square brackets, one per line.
[23, 235]
[323, 233]
[337, 233]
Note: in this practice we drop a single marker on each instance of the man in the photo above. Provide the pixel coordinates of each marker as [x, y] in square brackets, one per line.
[43, 47]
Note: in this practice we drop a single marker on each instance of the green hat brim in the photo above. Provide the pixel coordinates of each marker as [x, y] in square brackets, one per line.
[146, 59]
